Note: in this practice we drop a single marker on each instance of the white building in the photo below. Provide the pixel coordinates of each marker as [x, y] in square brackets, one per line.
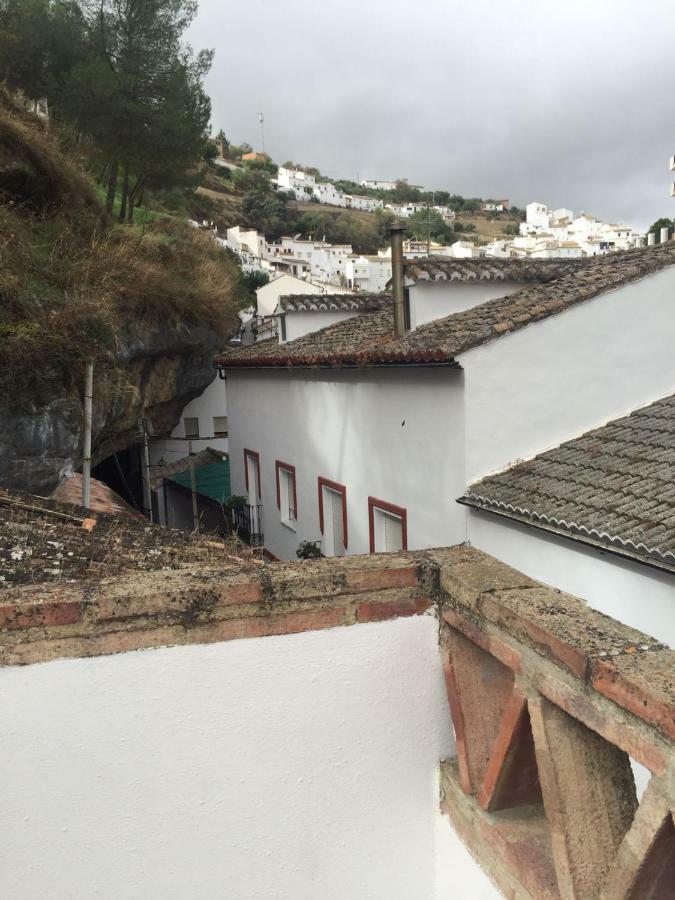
[364, 204]
[297, 182]
[267, 296]
[203, 423]
[592, 235]
[325, 192]
[369, 431]
[300, 314]
[368, 273]
[377, 185]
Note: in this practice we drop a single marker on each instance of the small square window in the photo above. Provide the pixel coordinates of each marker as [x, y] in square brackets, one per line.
[191, 426]
[220, 426]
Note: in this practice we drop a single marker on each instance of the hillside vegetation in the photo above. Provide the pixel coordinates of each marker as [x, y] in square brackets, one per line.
[72, 279]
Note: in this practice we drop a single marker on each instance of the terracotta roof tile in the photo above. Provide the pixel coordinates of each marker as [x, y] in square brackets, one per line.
[613, 487]
[369, 339]
[342, 302]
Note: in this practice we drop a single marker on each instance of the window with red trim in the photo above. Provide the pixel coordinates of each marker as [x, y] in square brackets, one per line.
[252, 475]
[333, 517]
[287, 496]
[387, 526]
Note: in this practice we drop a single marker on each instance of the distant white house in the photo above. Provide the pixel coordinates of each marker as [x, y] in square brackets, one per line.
[368, 273]
[593, 236]
[282, 285]
[377, 185]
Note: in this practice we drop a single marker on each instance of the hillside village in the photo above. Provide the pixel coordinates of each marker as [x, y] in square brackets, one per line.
[337, 519]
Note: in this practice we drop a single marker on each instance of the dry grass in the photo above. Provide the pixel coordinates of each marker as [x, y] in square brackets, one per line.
[71, 281]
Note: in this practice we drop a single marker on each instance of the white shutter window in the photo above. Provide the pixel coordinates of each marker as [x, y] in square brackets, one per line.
[393, 533]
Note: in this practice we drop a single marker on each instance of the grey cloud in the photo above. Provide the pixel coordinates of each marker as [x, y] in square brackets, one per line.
[570, 105]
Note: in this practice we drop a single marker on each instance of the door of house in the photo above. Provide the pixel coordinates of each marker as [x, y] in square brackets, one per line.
[254, 505]
[333, 523]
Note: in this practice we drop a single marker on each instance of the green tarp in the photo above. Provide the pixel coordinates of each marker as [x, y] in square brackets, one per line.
[212, 480]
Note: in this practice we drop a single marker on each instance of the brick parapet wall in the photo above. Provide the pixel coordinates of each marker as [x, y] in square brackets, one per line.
[204, 605]
[549, 700]
[548, 697]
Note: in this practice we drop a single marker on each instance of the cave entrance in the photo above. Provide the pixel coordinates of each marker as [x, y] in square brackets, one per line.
[123, 472]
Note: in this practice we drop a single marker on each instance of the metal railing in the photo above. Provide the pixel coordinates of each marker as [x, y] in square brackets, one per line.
[247, 523]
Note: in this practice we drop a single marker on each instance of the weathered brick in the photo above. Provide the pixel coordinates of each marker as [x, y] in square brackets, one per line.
[380, 579]
[516, 849]
[643, 683]
[63, 612]
[489, 642]
[596, 712]
[376, 611]
[264, 626]
[589, 797]
[457, 717]
[483, 687]
[466, 573]
[512, 777]
[646, 856]
[176, 593]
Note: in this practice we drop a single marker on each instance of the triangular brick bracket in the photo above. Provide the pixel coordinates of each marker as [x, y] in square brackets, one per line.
[512, 777]
[589, 797]
[479, 688]
[644, 868]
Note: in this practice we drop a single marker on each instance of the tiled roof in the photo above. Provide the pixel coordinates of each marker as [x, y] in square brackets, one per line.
[341, 302]
[613, 487]
[443, 268]
[102, 499]
[369, 339]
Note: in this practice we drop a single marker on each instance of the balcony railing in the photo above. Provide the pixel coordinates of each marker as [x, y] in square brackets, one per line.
[247, 523]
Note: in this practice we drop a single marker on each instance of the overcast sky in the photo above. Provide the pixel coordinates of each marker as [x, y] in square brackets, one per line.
[571, 104]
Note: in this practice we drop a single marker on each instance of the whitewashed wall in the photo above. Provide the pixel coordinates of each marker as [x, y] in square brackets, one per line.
[212, 402]
[389, 433]
[303, 322]
[267, 296]
[554, 380]
[632, 593]
[429, 301]
[301, 767]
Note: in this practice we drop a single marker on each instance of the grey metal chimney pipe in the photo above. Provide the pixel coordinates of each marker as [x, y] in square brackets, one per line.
[396, 230]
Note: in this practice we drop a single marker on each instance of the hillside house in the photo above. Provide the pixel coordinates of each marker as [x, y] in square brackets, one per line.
[299, 314]
[503, 359]
[282, 285]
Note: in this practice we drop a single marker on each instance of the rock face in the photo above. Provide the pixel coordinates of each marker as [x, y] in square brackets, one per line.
[159, 370]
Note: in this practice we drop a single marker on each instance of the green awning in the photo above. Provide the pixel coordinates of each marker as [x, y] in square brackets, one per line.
[212, 480]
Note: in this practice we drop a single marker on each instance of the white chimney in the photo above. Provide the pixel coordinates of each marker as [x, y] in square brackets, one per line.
[651, 239]
[665, 236]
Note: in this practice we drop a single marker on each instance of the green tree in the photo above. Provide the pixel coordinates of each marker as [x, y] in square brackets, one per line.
[24, 46]
[427, 224]
[662, 223]
[139, 93]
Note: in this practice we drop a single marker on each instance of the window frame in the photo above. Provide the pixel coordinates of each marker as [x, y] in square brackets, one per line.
[290, 469]
[391, 508]
[340, 489]
[191, 437]
[218, 433]
[255, 456]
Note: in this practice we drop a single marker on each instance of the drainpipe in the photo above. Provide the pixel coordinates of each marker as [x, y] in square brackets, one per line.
[86, 452]
[396, 230]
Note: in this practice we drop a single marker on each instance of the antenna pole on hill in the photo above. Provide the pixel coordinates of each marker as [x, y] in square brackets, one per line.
[261, 119]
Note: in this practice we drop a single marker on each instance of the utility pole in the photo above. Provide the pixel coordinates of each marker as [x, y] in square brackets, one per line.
[147, 495]
[86, 454]
[261, 119]
[193, 488]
